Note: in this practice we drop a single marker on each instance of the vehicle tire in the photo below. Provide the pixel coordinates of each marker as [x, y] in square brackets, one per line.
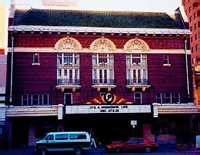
[147, 149]
[78, 151]
[43, 151]
[118, 150]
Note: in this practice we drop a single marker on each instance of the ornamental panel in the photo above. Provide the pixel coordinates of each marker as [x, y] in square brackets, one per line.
[136, 44]
[67, 44]
[102, 45]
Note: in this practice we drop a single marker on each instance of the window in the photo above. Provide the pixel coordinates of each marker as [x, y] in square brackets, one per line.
[68, 99]
[103, 59]
[136, 59]
[45, 99]
[25, 99]
[138, 97]
[49, 137]
[35, 99]
[159, 98]
[68, 69]
[136, 68]
[176, 98]
[36, 60]
[166, 61]
[195, 26]
[68, 59]
[77, 136]
[102, 72]
[61, 136]
[198, 13]
[168, 98]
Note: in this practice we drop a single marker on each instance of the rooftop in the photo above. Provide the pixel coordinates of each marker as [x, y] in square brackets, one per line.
[85, 18]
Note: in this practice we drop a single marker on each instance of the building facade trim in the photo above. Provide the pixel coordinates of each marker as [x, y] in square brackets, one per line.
[86, 50]
[31, 28]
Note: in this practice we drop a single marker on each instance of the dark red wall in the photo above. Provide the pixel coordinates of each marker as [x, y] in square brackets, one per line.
[49, 40]
[42, 78]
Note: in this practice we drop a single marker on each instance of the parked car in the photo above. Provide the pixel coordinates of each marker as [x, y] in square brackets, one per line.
[132, 144]
[65, 141]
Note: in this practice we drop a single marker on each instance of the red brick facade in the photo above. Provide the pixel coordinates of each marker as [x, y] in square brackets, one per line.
[42, 78]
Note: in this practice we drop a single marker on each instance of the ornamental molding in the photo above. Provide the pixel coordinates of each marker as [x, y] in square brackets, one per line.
[102, 45]
[77, 29]
[67, 44]
[24, 111]
[86, 50]
[136, 44]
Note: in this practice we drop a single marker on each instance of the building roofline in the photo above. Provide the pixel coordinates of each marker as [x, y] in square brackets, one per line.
[80, 29]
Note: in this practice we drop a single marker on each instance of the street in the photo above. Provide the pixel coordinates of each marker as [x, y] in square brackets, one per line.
[30, 151]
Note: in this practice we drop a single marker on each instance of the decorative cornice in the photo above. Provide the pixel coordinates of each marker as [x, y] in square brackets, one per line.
[24, 111]
[177, 108]
[86, 50]
[76, 29]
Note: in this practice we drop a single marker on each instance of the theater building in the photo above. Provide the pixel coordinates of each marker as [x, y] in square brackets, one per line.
[114, 74]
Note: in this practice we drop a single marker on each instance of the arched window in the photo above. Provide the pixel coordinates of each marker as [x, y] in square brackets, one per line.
[136, 63]
[102, 45]
[136, 44]
[67, 44]
[68, 62]
[102, 61]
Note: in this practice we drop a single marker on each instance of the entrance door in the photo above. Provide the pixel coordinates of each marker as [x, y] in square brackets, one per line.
[67, 99]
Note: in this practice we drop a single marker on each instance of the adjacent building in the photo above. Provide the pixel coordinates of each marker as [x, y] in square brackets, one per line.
[114, 74]
[3, 66]
[192, 9]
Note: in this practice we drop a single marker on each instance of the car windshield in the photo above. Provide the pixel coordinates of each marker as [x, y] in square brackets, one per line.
[49, 137]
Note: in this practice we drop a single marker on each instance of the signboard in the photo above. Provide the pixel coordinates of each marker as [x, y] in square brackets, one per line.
[96, 109]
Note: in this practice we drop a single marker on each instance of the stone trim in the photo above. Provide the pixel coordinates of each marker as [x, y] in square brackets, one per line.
[79, 29]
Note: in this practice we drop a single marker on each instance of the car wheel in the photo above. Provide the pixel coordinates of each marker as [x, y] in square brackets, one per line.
[78, 151]
[43, 151]
[118, 150]
[147, 149]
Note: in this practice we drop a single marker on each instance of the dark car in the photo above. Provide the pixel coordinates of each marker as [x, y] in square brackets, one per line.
[132, 144]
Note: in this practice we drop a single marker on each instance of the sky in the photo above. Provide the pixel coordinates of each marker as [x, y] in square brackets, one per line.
[124, 5]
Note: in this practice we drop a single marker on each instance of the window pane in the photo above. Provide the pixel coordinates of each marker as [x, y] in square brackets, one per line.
[61, 136]
[105, 76]
[45, 99]
[36, 58]
[138, 97]
[103, 58]
[68, 99]
[25, 99]
[136, 59]
[35, 99]
[68, 59]
[77, 136]
[158, 98]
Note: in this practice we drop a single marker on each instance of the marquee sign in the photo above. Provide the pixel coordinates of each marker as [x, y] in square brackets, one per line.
[97, 109]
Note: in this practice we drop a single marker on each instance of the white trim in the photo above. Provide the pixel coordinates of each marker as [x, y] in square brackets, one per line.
[2, 98]
[86, 50]
[97, 29]
[97, 109]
